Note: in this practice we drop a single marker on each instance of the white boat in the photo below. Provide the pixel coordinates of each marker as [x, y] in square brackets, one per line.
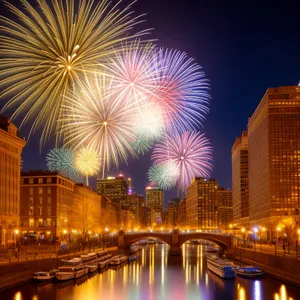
[44, 275]
[220, 267]
[72, 262]
[92, 268]
[118, 259]
[69, 272]
[89, 258]
[103, 261]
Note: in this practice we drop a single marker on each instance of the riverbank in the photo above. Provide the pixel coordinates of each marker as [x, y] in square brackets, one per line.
[285, 269]
[19, 273]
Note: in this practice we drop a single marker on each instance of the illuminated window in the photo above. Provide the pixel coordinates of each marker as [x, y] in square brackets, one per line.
[30, 180]
[40, 180]
[31, 222]
[31, 200]
[40, 191]
[31, 191]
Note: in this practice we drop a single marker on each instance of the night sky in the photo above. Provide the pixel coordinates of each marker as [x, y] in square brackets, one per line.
[244, 47]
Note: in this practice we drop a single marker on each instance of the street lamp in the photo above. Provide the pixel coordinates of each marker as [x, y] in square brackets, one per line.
[255, 230]
[243, 231]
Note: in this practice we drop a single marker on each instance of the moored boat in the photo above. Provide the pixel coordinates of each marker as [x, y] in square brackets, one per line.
[92, 267]
[44, 275]
[69, 272]
[221, 267]
[132, 257]
[118, 259]
[249, 272]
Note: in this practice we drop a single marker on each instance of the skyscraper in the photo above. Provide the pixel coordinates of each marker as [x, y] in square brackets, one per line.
[240, 193]
[224, 204]
[11, 146]
[115, 188]
[274, 157]
[155, 201]
[201, 204]
[173, 208]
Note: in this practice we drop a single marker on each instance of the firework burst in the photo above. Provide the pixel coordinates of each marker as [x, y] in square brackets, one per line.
[134, 71]
[94, 117]
[47, 49]
[190, 151]
[165, 175]
[141, 145]
[182, 91]
[62, 160]
[87, 162]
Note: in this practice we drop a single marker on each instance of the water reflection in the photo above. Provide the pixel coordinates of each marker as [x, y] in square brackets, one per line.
[156, 275]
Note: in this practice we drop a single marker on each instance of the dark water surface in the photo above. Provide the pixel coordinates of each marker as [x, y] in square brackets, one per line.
[157, 276]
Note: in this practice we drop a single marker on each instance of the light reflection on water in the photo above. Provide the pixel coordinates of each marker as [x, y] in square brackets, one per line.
[156, 275]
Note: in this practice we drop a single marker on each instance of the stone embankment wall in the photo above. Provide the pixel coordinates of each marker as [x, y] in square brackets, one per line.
[286, 269]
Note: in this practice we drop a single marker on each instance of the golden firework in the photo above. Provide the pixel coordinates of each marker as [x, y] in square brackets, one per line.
[45, 50]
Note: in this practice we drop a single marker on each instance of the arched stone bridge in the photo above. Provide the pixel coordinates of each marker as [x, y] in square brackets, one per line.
[174, 239]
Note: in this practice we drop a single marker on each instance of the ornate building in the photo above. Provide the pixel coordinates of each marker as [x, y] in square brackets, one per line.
[11, 146]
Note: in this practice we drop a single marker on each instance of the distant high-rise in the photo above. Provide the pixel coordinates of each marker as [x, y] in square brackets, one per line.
[155, 201]
[116, 188]
[201, 204]
[240, 193]
[11, 146]
[173, 208]
[274, 157]
[224, 204]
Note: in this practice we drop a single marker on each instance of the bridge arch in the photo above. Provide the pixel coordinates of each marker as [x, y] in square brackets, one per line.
[133, 238]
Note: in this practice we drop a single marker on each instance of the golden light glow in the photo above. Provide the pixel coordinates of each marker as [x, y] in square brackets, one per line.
[64, 231]
[16, 231]
[87, 161]
[243, 229]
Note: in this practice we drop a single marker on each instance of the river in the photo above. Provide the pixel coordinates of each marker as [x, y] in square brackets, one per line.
[157, 276]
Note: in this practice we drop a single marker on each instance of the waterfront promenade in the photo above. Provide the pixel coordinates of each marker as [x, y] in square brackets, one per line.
[14, 272]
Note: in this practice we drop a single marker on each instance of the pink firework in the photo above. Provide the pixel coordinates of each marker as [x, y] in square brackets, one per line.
[192, 153]
[134, 70]
[182, 91]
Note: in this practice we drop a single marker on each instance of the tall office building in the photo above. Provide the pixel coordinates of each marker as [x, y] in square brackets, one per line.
[173, 208]
[116, 188]
[274, 157]
[11, 146]
[224, 204]
[240, 190]
[155, 201]
[201, 204]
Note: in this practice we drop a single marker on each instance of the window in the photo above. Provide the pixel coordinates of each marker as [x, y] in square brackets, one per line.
[41, 200]
[48, 210]
[49, 190]
[40, 210]
[40, 222]
[49, 200]
[30, 180]
[48, 221]
[49, 180]
[40, 191]
[31, 211]
[40, 180]
[31, 191]
[31, 222]
[31, 200]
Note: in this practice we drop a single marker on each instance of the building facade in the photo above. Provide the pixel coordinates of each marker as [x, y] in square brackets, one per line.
[46, 205]
[274, 157]
[54, 208]
[240, 189]
[11, 146]
[201, 204]
[225, 211]
[173, 208]
[155, 201]
[116, 188]
[182, 214]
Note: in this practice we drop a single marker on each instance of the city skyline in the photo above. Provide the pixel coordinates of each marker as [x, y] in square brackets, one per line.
[228, 64]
